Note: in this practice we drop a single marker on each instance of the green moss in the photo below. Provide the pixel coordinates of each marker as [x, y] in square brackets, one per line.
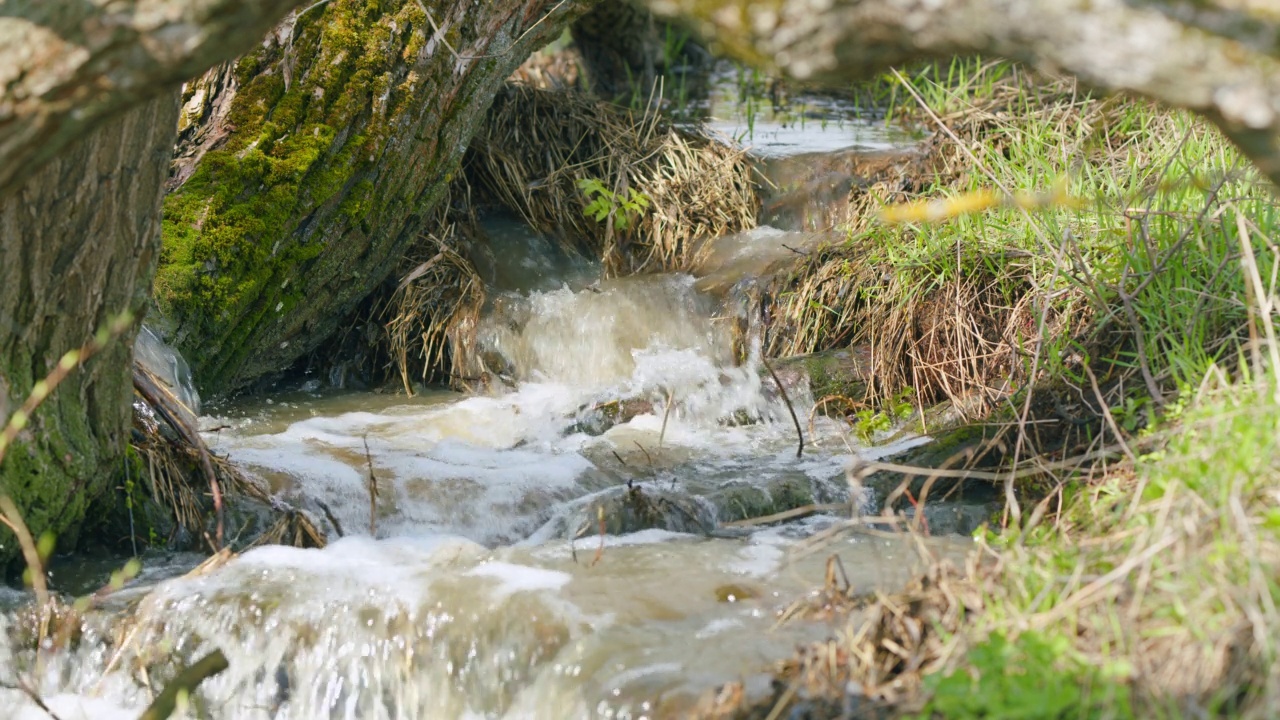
[55, 473]
[340, 142]
[742, 501]
[229, 232]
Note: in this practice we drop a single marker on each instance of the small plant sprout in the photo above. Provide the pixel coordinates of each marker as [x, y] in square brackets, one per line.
[603, 203]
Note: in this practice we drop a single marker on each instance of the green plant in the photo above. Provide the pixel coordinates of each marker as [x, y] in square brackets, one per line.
[868, 422]
[1030, 676]
[603, 203]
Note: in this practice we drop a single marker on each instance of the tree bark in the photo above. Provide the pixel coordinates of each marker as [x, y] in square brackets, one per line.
[308, 168]
[79, 240]
[68, 65]
[1217, 57]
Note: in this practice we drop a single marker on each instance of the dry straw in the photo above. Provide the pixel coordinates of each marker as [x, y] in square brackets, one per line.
[537, 145]
[433, 312]
[534, 150]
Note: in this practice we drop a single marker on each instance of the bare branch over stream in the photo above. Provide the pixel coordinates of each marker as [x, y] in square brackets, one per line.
[1222, 62]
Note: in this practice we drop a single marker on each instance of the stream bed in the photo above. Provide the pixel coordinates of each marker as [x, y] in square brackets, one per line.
[559, 549]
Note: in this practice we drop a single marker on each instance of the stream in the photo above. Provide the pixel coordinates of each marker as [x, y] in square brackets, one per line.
[478, 583]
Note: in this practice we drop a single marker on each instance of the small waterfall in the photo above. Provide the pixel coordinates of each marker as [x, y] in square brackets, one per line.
[167, 365]
[591, 338]
[502, 569]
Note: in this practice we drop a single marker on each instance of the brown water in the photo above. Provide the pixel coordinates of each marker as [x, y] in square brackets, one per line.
[479, 586]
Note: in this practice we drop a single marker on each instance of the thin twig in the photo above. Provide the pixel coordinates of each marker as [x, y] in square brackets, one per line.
[647, 456]
[783, 391]
[599, 550]
[1106, 413]
[666, 413]
[373, 491]
[40, 392]
[39, 702]
[333, 520]
[508, 51]
[1260, 296]
[1072, 463]
[804, 511]
[10, 517]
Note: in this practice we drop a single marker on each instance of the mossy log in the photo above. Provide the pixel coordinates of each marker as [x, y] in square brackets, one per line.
[308, 167]
[78, 244]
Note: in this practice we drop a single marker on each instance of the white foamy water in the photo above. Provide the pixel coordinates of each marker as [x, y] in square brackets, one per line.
[439, 627]
[482, 587]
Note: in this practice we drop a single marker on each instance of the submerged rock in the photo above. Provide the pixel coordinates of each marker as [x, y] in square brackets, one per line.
[632, 508]
[596, 419]
[833, 374]
[742, 500]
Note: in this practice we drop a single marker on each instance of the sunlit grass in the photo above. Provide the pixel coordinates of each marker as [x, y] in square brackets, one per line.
[1125, 258]
[1158, 575]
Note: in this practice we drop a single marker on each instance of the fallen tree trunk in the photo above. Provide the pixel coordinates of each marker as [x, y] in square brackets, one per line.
[309, 167]
[1213, 57]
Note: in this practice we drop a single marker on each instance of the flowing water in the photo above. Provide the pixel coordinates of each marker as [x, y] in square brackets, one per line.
[557, 550]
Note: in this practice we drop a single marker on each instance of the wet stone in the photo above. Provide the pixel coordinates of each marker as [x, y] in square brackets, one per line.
[740, 500]
[639, 507]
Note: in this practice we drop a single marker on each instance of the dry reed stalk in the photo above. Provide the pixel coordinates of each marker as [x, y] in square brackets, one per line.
[373, 491]
[435, 310]
[174, 469]
[944, 341]
[537, 145]
[163, 401]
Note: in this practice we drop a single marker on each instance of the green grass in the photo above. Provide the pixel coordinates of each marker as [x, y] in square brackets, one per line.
[1146, 247]
[1166, 572]
[1153, 587]
[1128, 255]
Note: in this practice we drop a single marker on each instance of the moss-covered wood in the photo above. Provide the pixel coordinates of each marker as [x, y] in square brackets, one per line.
[344, 129]
[78, 245]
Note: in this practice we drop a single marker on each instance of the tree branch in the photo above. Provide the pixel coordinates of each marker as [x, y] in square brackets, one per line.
[1222, 62]
[68, 65]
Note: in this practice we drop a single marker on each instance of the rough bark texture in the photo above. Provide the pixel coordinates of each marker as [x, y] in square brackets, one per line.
[79, 242]
[320, 156]
[1220, 58]
[68, 65]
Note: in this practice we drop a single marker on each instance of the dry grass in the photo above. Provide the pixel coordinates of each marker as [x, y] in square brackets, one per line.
[944, 337]
[175, 479]
[537, 145]
[878, 659]
[1142, 584]
[958, 309]
[434, 310]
